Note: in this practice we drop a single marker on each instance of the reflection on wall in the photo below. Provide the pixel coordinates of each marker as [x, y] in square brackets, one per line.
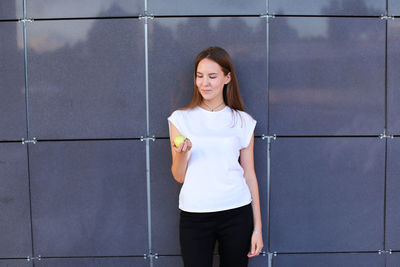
[329, 7]
[84, 75]
[322, 79]
[10, 9]
[171, 76]
[393, 76]
[83, 8]
[12, 87]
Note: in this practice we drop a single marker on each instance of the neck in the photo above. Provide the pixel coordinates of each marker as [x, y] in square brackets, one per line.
[213, 105]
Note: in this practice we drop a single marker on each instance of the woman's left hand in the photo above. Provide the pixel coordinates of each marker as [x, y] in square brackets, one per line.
[256, 244]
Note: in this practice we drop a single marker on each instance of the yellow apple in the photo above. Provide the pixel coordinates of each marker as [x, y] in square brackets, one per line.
[179, 140]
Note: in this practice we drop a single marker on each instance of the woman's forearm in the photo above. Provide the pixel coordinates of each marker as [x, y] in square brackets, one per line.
[179, 166]
[253, 186]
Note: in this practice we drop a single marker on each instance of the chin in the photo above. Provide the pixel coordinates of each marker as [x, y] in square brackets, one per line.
[208, 97]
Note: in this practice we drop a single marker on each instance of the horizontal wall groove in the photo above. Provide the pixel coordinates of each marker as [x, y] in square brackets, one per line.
[199, 16]
[83, 18]
[76, 140]
[5, 259]
[328, 16]
[208, 16]
[327, 252]
[167, 138]
[10, 141]
[90, 257]
[9, 20]
[327, 136]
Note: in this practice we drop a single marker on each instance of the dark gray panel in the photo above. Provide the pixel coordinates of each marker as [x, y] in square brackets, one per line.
[175, 261]
[11, 9]
[329, 260]
[12, 82]
[164, 200]
[15, 263]
[165, 194]
[86, 79]
[94, 262]
[15, 230]
[393, 76]
[394, 7]
[392, 195]
[393, 260]
[89, 198]
[328, 7]
[83, 8]
[327, 194]
[259, 261]
[327, 76]
[173, 46]
[168, 261]
[208, 7]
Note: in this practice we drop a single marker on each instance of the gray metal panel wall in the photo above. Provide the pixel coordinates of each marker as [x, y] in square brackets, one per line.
[86, 88]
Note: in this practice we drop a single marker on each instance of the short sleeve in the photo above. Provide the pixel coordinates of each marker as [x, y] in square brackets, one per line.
[249, 124]
[176, 120]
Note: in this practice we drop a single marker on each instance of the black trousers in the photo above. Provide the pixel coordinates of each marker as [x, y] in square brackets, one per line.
[231, 228]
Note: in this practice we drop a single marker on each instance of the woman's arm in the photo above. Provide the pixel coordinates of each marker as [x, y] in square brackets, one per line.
[180, 155]
[247, 163]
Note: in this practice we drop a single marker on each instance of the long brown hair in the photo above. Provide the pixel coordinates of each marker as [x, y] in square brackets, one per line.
[231, 92]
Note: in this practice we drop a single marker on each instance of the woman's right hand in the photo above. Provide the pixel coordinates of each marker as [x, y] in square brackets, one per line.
[184, 147]
[180, 155]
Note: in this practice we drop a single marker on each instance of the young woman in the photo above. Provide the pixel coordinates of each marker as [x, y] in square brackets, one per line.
[219, 199]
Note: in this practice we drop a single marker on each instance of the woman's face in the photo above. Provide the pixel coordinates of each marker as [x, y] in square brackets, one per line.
[210, 80]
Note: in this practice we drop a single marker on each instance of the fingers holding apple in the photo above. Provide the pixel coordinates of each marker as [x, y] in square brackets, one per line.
[187, 145]
[178, 140]
[181, 144]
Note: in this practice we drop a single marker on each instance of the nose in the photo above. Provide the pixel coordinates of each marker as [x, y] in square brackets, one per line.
[205, 81]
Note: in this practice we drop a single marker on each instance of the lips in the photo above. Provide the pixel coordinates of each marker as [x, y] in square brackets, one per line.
[206, 90]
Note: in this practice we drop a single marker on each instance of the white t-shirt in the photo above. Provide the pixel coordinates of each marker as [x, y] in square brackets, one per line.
[214, 178]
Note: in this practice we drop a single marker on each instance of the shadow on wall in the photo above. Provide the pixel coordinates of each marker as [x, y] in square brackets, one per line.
[65, 61]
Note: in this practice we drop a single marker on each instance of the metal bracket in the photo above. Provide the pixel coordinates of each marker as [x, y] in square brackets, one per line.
[151, 255]
[381, 251]
[263, 253]
[269, 16]
[269, 137]
[33, 141]
[384, 135]
[387, 17]
[29, 258]
[146, 17]
[152, 138]
[25, 20]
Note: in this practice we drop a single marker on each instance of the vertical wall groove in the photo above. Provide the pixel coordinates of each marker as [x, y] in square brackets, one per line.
[148, 182]
[269, 194]
[386, 130]
[386, 68]
[269, 141]
[26, 71]
[27, 123]
[268, 74]
[385, 197]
